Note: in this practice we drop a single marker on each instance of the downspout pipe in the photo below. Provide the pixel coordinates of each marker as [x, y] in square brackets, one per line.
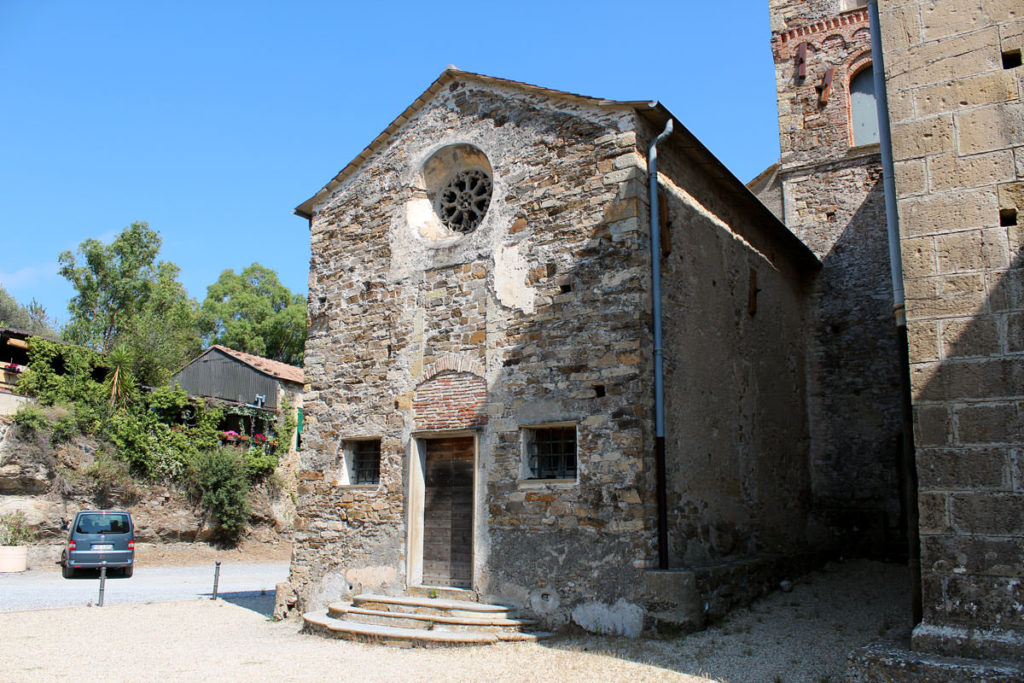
[908, 465]
[659, 361]
[888, 177]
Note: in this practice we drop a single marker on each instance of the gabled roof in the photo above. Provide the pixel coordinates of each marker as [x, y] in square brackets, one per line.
[450, 74]
[651, 110]
[282, 371]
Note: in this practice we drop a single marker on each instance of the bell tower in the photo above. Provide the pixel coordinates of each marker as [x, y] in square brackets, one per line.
[827, 188]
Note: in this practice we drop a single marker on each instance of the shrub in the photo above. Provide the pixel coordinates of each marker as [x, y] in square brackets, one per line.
[14, 530]
[219, 481]
[259, 462]
[112, 482]
[32, 418]
[64, 429]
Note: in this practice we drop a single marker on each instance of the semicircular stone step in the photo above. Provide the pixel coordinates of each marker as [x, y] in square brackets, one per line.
[320, 622]
[418, 605]
[482, 622]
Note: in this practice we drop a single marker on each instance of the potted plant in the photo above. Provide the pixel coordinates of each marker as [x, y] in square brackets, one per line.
[15, 535]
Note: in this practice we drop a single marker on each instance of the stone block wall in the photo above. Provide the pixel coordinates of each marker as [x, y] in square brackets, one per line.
[958, 128]
[832, 199]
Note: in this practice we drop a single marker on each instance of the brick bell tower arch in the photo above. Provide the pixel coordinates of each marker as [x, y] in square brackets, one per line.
[449, 408]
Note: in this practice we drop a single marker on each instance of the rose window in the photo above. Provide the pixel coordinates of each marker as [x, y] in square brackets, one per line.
[462, 204]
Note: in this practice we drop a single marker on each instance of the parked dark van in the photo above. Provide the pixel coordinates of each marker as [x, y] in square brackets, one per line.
[98, 536]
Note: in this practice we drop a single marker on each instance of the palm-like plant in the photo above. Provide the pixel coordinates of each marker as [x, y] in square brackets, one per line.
[121, 380]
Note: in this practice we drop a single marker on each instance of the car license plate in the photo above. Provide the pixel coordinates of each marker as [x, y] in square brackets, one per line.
[102, 546]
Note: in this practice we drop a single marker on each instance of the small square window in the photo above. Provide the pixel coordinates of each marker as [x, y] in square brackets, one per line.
[550, 452]
[361, 462]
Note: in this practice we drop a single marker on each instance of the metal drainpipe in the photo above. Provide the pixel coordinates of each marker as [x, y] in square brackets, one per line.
[908, 466]
[659, 365]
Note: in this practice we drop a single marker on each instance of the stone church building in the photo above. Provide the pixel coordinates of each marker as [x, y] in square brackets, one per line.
[509, 399]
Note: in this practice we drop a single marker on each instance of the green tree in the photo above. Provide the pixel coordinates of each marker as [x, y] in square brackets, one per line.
[31, 318]
[253, 312]
[125, 297]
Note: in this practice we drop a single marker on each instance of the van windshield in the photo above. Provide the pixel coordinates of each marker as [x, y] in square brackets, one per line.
[110, 523]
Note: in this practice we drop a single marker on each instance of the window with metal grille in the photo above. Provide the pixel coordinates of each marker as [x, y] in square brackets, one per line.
[363, 461]
[551, 452]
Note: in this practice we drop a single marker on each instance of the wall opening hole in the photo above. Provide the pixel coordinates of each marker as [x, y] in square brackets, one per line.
[322, 299]
[565, 289]
[1011, 59]
[599, 390]
[1007, 217]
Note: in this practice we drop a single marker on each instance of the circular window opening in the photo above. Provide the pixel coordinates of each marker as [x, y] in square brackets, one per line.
[461, 205]
[458, 184]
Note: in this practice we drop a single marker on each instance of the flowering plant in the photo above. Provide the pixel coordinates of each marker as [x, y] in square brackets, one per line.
[12, 367]
[259, 438]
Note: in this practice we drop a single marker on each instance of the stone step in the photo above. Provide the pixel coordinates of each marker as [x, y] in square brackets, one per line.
[443, 593]
[418, 605]
[348, 612]
[323, 624]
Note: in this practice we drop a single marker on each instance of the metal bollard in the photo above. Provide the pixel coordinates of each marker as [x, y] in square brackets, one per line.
[103, 580]
[216, 580]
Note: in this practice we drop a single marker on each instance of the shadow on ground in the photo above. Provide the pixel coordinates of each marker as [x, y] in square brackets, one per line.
[804, 634]
[261, 602]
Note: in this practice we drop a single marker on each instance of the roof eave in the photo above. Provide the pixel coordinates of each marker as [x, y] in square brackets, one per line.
[803, 257]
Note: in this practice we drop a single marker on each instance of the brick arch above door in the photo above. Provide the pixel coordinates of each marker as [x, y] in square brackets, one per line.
[450, 399]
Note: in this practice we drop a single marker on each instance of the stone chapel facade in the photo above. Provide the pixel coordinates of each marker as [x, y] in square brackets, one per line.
[479, 404]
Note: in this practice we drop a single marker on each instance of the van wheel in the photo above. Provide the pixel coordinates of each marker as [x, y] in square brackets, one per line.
[128, 571]
[67, 572]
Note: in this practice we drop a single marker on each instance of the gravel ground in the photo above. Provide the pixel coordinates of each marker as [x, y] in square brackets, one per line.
[802, 635]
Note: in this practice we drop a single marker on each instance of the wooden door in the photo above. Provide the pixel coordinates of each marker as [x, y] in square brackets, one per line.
[448, 513]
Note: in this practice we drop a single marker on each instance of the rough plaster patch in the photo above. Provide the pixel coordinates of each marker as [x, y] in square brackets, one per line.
[333, 586]
[371, 579]
[621, 619]
[510, 271]
[420, 216]
[544, 601]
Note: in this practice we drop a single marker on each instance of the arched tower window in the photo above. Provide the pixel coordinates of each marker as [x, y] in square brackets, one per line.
[863, 114]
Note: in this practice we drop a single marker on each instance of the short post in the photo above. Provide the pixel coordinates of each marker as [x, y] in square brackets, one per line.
[216, 580]
[103, 580]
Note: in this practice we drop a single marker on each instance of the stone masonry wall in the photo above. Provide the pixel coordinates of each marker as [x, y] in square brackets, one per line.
[736, 414]
[958, 142]
[544, 297]
[832, 200]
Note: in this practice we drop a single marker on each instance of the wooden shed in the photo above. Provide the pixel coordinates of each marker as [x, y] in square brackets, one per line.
[229, 375]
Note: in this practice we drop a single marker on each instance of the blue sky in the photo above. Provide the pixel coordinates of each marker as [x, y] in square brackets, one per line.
[213, 120]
